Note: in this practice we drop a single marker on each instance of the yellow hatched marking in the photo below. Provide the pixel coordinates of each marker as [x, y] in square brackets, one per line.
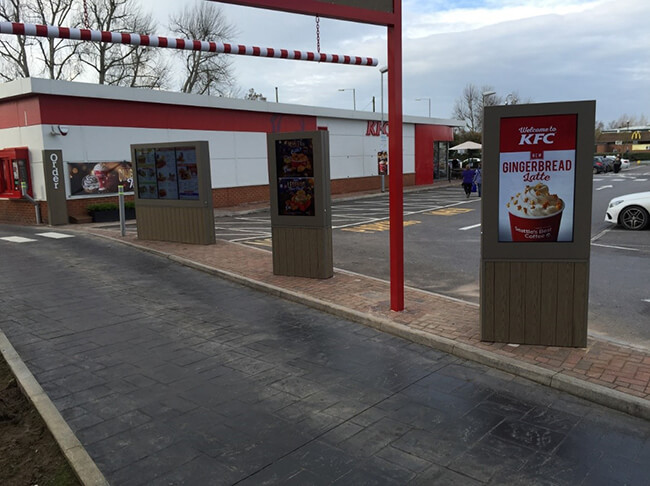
[265, 242]
[450, 211]
[376, 227]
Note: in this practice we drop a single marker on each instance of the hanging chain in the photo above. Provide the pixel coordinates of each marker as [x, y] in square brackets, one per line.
[86, 22]
[318, 34]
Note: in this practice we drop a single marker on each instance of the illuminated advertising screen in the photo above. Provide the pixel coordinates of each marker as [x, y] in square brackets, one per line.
[537, 168]
[99, 178]
[295, 177]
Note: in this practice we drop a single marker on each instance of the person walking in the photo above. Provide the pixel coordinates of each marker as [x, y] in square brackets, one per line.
[478, 179]
[468, 179]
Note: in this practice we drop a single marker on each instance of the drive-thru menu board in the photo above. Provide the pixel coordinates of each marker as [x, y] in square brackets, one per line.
[537, 167]
[167, 173]
[173, 191]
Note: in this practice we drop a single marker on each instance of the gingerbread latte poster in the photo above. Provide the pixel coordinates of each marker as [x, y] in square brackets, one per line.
[537, 157]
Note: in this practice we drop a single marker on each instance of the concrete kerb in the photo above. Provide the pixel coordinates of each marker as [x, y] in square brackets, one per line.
[80, 461]
[601, 395]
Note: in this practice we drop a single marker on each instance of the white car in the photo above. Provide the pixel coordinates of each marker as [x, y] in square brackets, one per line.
[632, 211]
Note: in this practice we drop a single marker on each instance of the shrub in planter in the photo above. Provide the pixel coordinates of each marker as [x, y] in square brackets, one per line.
[104, 212]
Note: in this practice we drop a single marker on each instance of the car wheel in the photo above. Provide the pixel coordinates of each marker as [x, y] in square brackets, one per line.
[634, 218]
[595, 170]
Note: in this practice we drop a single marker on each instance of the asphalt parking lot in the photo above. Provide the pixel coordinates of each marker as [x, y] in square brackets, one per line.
[442, 248]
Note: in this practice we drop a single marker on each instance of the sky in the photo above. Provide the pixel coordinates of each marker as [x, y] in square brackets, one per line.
[544, 50]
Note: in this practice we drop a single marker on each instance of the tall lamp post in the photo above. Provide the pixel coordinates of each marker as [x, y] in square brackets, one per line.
[427, 99]
[354, 96]
[383, 70]
[485, 95]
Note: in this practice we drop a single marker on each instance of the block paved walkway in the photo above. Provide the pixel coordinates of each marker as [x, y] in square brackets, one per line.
[604, 372]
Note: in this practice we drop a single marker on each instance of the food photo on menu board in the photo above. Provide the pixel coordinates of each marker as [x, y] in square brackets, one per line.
[145, 162]
[295, 158]
[537, 178]
[187, 173]
[166, 174]
[296, 196]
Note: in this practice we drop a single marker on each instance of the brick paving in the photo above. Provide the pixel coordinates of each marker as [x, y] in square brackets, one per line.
[451, 322]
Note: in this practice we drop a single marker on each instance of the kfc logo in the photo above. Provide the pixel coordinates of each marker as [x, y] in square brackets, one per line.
[534, 139]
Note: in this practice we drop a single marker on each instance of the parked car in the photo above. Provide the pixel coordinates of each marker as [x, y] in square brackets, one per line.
[632, 211]
[625, 164]
[608, 164]
[599, 165]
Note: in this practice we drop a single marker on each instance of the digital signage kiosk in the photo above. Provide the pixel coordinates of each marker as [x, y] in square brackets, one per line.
[536, 223]
[173, 196]
[301, 218]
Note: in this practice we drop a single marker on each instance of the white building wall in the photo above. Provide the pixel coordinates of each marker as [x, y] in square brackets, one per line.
[238, 159]
[354, 154]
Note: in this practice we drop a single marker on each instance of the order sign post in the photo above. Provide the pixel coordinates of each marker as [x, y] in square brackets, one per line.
[389, 14]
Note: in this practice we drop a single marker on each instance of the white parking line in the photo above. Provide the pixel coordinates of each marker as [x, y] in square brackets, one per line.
[600, 235]
[56, 236]
[17, 239]
[615, 247]
[470, 227]
[603, 187]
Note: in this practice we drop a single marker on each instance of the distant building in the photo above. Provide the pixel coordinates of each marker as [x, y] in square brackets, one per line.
[93, 127]
[628, 140]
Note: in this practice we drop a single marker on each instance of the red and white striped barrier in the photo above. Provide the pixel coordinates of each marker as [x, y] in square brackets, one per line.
[186, 44]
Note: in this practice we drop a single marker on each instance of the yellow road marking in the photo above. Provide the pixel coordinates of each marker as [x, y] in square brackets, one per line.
[265, 242]
[376, 227]
[450, 211]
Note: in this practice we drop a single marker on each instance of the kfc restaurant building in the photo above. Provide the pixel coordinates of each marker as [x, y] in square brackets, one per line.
[71, 142]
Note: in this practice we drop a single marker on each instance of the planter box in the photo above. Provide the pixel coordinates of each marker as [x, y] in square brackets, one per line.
[111, 215]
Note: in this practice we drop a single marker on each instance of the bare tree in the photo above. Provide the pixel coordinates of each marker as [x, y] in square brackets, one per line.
[59, 56]
[469, 107]
[625, 121]
[254, 96]
[14, 49]
[120, 64]
[204, 72]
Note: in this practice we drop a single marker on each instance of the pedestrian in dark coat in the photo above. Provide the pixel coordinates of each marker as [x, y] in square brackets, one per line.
[468, 179]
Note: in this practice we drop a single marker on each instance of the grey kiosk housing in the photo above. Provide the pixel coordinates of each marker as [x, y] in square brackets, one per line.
[301, 219]
[535, 278]
[173, 195]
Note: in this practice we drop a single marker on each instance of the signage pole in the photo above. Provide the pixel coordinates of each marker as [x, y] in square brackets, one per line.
[395, 144]
[120, 194]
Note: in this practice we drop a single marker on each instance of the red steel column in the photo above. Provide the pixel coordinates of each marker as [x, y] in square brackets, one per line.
[395, 155]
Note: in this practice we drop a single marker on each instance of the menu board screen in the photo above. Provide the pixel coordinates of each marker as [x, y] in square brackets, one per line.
[295, 170]
[167, 173]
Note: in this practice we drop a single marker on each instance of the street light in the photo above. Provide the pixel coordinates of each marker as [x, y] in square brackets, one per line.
[354, 96]
[383, 70]
[486, 94]
[427, 99]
